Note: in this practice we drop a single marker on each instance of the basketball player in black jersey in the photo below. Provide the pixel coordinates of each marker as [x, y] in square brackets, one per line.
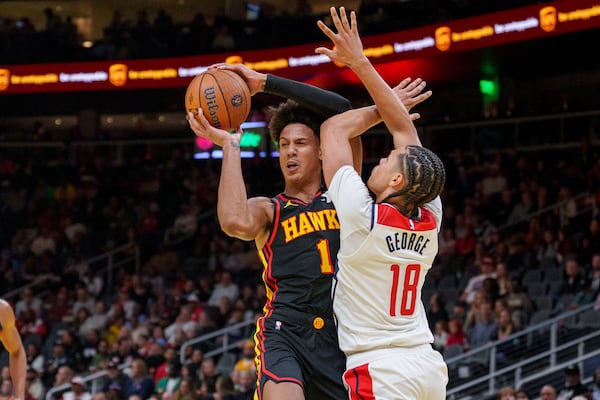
[11, 340]
[296, 234]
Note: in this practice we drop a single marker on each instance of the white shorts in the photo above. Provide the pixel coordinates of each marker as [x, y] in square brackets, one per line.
[418, 373]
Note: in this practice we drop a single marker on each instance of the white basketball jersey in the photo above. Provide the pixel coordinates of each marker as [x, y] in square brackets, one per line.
[378, 282]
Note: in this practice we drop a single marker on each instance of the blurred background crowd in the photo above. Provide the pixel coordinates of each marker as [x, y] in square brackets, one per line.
[520, 240]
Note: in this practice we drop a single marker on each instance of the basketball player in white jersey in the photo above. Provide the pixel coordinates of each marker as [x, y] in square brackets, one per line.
[387, 246]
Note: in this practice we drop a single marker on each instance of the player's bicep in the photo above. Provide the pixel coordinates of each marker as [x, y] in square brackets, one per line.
[336, 151]
[259, 214]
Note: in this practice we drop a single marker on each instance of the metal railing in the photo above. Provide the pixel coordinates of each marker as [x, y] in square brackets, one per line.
[542, 349]
[223, 347]
[111, 259]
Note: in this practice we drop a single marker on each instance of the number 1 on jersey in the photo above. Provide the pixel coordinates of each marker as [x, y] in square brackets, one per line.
[409, 289]
[326, 265]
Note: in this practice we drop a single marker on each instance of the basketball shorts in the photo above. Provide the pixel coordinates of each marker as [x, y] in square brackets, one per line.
[418, 373]
[301, 348]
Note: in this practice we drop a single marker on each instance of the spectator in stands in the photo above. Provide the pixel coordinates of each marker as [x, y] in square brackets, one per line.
[28, 302]
[171, 382]
[182, 323]
[169, 355]
[186, 390]
[63, 376]
[572, 386]
[572, 278]
[595, 273]
[35, 357]
[246, 360]
[98, 320]
[485, 327]
[506, 393]
[547, 392]
[56, 368]
[58, 307]
[486, 270]
[6, 389]
[440, 335]
[517, 298]
[224, 287]
[185, 224]
[35, 386]
[78, 390]
[436, 310]
[82, 300]
[456, 334]
[585, 295]
[503, 279]
[141, 383]
[595, 385]
[459, 311]
[522, 394]
[114, 376]
[208, 375]
[567, 209]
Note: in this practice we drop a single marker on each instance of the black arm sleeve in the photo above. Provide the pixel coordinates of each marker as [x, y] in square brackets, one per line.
[323, 102]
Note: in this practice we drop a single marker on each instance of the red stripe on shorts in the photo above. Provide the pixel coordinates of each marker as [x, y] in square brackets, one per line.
[360, 383]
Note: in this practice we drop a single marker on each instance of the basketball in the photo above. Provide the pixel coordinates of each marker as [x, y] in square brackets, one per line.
[223, 97]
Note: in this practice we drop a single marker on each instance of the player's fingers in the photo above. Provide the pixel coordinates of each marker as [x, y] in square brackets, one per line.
[336, 19]
[216, 65]
[353, 23]
[325, 29]
[415, 116]
[323, 50]
[414, 84]
[344, 19]
[403, 83]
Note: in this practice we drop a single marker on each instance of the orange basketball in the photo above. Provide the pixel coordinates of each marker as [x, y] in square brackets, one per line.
[223, 97]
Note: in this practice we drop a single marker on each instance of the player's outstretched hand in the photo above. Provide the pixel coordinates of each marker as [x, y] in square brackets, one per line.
[347, 46]
[410, 92]
[254, 79]
[203, 128]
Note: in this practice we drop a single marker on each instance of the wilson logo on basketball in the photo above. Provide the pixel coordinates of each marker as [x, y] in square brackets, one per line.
[210, 96]
[237, 100]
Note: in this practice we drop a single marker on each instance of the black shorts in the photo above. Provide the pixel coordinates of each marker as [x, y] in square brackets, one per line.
[301, 348]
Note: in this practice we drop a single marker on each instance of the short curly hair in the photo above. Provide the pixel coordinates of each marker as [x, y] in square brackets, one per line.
[425, 177]
[290, 112]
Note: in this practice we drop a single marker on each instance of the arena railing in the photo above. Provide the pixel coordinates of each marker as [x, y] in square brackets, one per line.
[105, 263]
[528, 358]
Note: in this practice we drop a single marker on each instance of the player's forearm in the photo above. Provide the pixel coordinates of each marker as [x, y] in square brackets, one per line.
[232, 203]
[389, 106]
[18, 370]
[320, 101]
[353, 123]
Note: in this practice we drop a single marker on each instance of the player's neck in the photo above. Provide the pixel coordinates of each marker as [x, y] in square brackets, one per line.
[305, 192]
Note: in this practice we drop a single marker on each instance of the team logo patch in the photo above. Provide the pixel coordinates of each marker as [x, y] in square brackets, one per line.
[318, 323]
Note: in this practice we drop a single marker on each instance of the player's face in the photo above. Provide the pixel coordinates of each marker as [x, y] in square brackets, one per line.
[383, 173]
[299, 154]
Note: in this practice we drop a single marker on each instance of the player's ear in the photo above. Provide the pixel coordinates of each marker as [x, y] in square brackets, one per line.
[397, 181]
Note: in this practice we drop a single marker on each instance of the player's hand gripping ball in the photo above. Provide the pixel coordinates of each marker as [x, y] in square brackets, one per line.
[223, 97]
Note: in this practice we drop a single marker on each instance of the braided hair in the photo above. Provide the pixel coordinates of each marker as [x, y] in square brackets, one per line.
[290, 112]
[425, 177]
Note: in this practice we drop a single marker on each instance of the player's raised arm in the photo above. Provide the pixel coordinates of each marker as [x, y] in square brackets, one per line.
[320, 101]
[10, 338]
[348, 50]
[239, 216]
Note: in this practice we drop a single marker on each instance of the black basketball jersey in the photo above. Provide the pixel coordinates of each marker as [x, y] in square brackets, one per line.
[300, 254]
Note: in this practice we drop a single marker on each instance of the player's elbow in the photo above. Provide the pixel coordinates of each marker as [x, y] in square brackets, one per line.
[236, 227]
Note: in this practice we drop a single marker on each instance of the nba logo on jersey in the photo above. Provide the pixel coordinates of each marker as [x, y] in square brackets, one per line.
[278, 325]
[411, 224]
[325, 198]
